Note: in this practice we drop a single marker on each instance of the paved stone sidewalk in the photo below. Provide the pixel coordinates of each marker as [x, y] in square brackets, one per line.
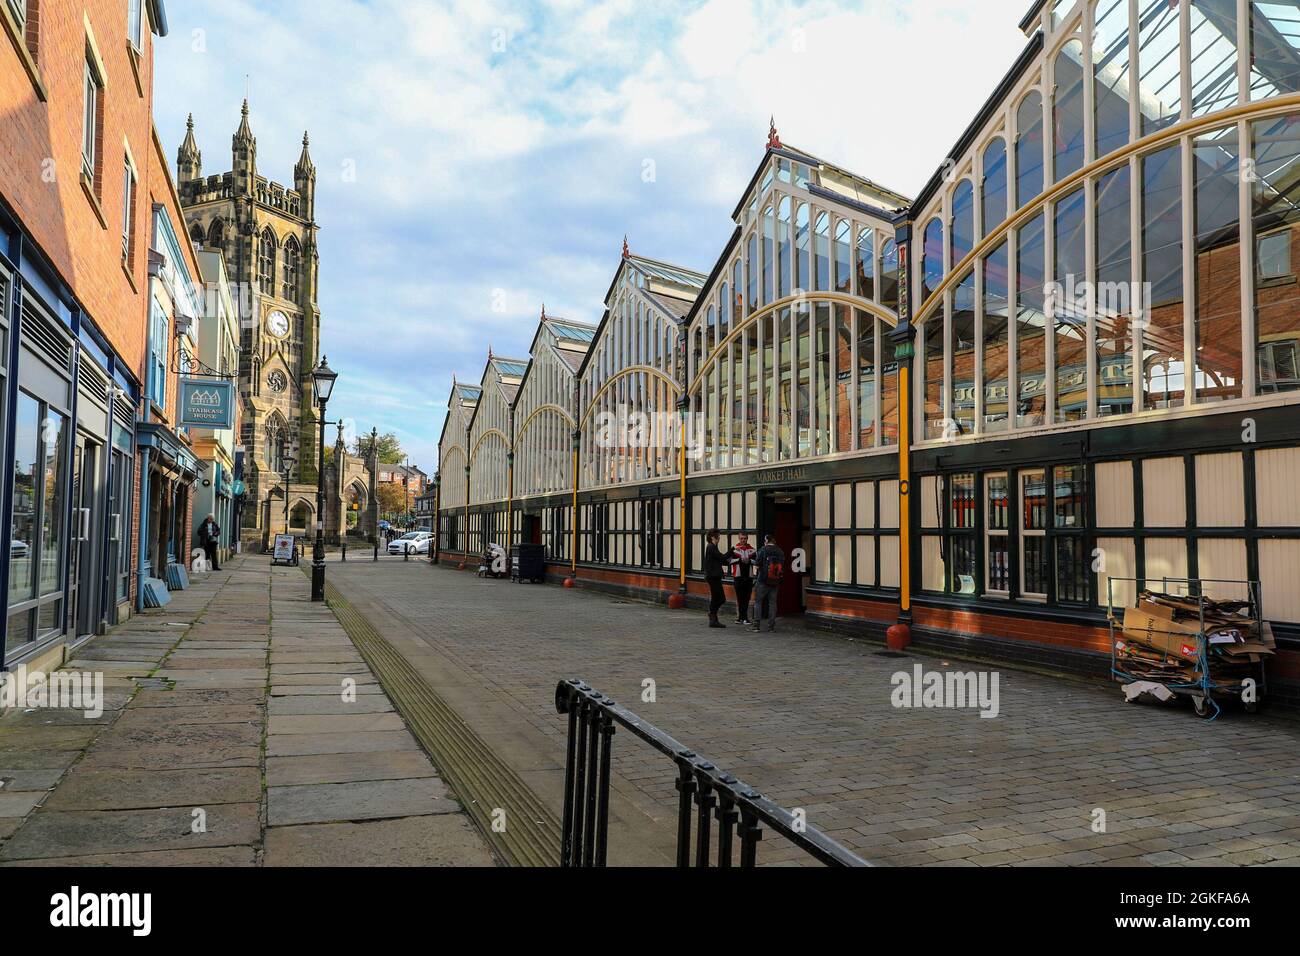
[241, 727]
[806, 717]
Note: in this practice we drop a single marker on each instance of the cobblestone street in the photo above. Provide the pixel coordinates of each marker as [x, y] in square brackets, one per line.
[807, 719]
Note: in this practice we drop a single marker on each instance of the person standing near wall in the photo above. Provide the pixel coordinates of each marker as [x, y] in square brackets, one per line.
[770, 564]
[742, 575]
[714, 560]
[210, 539]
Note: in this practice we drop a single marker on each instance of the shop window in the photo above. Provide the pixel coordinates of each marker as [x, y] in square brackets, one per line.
[997, 529]
[1033, 535]
[1070, 521]
[37, 522]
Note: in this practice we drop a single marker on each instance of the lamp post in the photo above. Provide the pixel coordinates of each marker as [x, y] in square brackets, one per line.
[322, 384]
[286, 463]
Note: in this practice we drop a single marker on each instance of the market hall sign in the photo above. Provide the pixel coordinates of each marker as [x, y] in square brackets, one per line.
[206, 403]
[779, 476]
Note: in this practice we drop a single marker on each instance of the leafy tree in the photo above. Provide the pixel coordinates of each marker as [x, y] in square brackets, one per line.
[391, 498]
[390, 449]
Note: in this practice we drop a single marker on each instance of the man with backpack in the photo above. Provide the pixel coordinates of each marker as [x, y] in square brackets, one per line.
[769, 562]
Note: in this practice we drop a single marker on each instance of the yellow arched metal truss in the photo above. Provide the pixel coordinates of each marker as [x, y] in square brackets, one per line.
[885, 315]
[624, 373]
[1272, 107]
[490, 433]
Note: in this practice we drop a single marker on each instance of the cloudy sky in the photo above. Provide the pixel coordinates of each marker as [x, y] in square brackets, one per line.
[479, 158]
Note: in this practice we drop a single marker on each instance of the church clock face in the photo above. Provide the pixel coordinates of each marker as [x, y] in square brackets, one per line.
[276, 381]
[277, 323]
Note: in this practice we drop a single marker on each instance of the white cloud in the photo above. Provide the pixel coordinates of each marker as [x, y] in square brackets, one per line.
[501, 145]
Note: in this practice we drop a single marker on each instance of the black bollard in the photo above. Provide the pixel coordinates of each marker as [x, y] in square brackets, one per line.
[345, 550]
[406, 553]
[376, 549]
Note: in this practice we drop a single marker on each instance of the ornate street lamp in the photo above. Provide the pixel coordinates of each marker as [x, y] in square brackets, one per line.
[286, 472]
[322, 384]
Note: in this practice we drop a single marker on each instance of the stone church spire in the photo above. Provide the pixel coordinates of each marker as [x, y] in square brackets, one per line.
[304, 179]
[189, 161]
[244, 135]
[244, 147]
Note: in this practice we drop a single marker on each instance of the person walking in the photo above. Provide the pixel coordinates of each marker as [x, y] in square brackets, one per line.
[742, 576]
[769, 562]
[210, 539]
[714, 560]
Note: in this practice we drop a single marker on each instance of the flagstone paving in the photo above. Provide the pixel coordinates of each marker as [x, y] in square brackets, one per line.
[807, 718]
[240, 728]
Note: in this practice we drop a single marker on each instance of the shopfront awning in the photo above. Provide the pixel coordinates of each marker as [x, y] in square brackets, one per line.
[163, 441]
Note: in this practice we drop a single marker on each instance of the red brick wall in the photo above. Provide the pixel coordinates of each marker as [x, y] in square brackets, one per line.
[41, 140]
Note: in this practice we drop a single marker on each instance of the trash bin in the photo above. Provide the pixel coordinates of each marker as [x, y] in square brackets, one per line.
[530, 563]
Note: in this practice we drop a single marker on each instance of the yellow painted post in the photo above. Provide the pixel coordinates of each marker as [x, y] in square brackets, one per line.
[681, 508]
[904, 489]
[573, 545]
[510, 502]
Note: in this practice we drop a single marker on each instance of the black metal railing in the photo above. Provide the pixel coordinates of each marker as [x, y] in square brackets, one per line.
[705, 794]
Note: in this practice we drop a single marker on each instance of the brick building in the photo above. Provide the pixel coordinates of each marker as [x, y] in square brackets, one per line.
[91, 322]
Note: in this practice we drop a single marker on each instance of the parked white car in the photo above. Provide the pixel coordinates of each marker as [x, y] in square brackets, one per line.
[413, 542]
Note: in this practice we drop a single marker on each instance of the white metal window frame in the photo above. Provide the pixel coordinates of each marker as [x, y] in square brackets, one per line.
[1072, 25]
[990, 532]
[1022, 477]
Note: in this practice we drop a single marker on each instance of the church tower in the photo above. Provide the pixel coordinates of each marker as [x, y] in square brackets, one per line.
[266, 233]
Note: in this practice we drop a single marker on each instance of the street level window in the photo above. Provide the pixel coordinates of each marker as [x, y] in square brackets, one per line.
[997, 514]
[1033, 535]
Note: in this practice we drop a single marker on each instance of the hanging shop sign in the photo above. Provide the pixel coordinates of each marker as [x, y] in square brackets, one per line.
[207, 403]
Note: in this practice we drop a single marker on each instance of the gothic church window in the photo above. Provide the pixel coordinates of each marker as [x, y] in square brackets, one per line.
[292, 257]
[266, 262]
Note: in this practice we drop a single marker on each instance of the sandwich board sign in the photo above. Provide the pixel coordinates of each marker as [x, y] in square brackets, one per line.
[286, 549]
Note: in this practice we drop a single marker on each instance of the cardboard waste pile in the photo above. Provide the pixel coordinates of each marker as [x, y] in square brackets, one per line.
[1161, 641]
